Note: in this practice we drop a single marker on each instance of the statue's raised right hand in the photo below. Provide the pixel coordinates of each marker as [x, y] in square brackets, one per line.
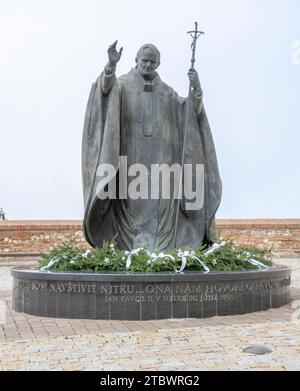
[113, 55]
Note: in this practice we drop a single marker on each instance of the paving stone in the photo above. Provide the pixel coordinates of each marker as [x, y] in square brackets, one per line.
[185, 344]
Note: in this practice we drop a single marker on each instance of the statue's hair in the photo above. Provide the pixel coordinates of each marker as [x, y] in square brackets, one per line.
[151, 47]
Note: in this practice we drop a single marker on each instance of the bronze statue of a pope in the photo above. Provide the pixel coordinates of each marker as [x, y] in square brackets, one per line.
[139, 117]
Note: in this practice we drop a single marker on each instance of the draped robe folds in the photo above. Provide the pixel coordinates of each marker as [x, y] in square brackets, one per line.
[146, 126]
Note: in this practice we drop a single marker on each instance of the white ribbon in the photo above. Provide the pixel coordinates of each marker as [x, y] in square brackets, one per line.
[161, 255]
[260, 265]
[254, 262]
[130, 254]
[214, 248]
[50, 264]
[184, 255]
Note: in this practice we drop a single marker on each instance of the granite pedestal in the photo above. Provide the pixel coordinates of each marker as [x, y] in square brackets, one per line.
[141, 296]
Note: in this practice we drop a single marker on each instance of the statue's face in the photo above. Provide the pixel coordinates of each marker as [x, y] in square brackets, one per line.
[147, 63]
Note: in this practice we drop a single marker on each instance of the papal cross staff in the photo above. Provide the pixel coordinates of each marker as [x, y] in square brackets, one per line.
[195, 34]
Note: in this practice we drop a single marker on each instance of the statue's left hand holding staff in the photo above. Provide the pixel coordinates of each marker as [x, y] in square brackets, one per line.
[194, 80]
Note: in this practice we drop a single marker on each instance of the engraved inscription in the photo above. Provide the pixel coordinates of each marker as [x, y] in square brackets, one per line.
[143, 300]
[139, 293]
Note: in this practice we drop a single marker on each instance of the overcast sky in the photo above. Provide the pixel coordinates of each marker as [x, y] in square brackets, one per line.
[52, 50]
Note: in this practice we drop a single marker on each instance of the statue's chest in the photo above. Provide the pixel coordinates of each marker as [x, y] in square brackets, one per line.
[144, 112]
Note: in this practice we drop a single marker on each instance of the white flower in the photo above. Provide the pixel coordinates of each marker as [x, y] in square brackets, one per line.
[86, 253]
[112, 249]
[123, 258]
[106, 260]
[214, 261]
[148, 262]
[72, 261]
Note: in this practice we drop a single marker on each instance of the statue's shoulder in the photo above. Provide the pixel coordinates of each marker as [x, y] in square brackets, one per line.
[124, 80]
[126, 77]
[166, 86]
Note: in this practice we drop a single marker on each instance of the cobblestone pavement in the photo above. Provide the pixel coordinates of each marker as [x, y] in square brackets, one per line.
[35, 343]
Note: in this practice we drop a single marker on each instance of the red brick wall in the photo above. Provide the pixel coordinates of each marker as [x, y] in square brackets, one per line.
[32, 237]
[282, 236]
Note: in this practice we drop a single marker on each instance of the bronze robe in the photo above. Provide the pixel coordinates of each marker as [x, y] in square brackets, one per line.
[145, 122]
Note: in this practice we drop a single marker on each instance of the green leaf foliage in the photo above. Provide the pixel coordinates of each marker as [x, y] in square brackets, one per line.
[69, 256]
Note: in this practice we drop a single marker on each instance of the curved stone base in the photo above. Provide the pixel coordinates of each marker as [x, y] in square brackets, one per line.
[141, 296]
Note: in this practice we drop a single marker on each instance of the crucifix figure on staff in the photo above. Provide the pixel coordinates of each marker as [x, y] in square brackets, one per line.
[193, 74]
[139, 117]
